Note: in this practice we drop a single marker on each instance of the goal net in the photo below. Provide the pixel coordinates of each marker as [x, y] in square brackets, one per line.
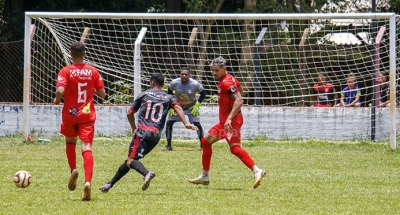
[278, 59]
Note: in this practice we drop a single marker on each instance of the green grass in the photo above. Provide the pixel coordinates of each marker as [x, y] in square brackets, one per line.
[303, 177]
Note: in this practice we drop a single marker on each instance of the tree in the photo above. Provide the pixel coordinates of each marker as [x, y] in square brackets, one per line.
[12, 11]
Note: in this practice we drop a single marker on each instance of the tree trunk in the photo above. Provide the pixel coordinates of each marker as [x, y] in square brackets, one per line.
[246, 56]
[204, 35]
[172, 6]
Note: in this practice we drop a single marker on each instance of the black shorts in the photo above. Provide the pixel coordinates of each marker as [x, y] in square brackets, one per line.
[140, 146]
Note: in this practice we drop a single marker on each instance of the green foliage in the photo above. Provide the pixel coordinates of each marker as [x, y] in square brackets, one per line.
[121, 93]
[196, 6]
[213, 99]
[394, 6]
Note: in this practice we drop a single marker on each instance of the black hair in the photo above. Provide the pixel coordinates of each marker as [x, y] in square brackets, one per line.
[158, 78]
[384, 73]
[77, 49]
[185, 69]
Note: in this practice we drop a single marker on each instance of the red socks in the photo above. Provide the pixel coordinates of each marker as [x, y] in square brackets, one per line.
[88, 162]
[207, 153]
[242, 155]
[71, 155]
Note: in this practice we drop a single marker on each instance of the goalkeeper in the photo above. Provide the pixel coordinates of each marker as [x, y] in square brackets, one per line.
[185, 89]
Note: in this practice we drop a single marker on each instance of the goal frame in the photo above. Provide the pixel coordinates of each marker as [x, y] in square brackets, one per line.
[170, 16]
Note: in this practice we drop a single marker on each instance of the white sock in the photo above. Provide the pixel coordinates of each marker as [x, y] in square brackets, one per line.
[205, 172]
[255, 168]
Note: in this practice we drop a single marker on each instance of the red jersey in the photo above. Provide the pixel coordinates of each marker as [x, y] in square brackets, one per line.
[80, 82]
[227, 86]
[325, 94]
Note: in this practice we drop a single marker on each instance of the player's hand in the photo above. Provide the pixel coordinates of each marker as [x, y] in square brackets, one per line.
[171, 112]
[56, 102]
[228, 125]
[192, 127]
[195, 109]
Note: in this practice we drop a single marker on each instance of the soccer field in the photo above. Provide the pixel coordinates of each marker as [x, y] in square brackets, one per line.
[303, 177]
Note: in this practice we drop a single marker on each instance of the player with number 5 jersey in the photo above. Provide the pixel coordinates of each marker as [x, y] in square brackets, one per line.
[78, 83]
[152, 107]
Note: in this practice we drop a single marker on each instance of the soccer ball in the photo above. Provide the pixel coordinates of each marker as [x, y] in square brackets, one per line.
[22, 179]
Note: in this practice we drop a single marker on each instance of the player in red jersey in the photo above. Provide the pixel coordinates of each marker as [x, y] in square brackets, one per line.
[230, 122]
[78, 83]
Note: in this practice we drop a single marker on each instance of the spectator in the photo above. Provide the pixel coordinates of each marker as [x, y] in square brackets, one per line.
[384, 90]
[324, 91]
[350, 96]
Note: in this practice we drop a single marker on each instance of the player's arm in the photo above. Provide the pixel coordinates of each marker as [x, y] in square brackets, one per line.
[202, 96]
[235, 109]
[195, 109]
[236, 105]
[181, 115]
[131, 118]
[101, 93]
[170, 91]
[59, 94]
[132, 110]
[171, 111]
[240, 89]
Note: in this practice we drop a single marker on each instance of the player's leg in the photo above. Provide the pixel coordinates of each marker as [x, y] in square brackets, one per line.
[234, 140]
[168, 134]
[138, 150]
[86, 134]
[70, 132]
[121, 172]
[200, 132]
[214, 134]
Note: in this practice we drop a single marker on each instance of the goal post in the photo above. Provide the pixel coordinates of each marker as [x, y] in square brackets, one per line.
[276, 57]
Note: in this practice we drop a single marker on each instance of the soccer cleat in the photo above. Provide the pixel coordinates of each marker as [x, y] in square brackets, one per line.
[86, 192]
[258, 176]
[72, 180]
[105, 188]
[204, 180]
[167, 148]
[149, 176]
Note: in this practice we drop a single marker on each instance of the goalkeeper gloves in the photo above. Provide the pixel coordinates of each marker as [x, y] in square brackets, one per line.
[171, 112]
[195, 109]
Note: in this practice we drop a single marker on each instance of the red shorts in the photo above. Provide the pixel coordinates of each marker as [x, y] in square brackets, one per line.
[232, 137]
[85, 131]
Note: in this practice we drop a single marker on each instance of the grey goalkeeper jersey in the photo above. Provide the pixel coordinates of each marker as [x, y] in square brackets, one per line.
[186, 93]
